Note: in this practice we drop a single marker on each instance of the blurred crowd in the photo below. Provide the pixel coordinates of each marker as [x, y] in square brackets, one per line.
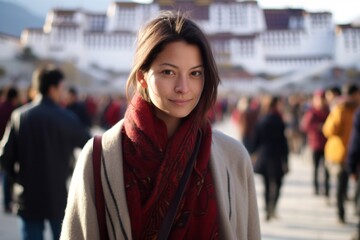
[327, 122]
[270, 127]
[92, 110]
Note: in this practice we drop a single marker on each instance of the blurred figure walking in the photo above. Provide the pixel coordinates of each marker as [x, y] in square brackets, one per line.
[35, 153]
[77, 107]
[311, 124]
[337, 128]
[294, 112]
[245, 117]
[6, 108]
[353, 162]
[271, 148]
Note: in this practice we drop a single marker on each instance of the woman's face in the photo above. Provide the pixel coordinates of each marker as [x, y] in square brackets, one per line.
[175, 80]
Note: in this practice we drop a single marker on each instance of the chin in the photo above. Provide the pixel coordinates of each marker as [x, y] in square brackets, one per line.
[181, 115]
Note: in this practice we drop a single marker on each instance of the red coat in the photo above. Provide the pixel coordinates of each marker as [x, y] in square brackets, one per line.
[312, 124]
[113, 113]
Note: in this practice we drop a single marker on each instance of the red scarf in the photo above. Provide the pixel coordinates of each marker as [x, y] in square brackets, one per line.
[153, 166]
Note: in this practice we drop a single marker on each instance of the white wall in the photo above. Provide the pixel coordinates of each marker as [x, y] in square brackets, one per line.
[9, 47]
[347, 47]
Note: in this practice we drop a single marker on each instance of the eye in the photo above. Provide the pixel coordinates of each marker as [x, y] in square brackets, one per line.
[167, 72]
[197, 73]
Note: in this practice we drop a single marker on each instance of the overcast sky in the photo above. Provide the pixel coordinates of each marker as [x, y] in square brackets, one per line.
[344, 11]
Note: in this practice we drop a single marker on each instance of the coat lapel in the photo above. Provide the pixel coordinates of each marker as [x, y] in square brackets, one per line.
[113, 184]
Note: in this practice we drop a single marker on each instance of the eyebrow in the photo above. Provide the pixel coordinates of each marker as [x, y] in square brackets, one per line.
[174, 66]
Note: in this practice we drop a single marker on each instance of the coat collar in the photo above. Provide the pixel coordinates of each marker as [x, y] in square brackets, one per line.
[42, 99]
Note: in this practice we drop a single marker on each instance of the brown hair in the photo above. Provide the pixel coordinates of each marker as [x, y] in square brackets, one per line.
[45, 77]
[269, 103]
[166, 28]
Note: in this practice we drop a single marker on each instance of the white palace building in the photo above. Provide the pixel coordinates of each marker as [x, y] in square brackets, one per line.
[242, 35]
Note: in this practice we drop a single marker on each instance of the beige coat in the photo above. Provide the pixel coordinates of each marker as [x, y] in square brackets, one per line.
[234, 184]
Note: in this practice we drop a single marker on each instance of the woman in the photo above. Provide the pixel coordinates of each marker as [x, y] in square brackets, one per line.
[271, 149]
[174, 81]
[311, 124]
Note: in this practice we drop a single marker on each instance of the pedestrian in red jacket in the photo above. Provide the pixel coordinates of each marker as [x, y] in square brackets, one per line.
[312, 123]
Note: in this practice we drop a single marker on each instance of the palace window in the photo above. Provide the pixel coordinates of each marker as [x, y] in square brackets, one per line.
[296, 23]
[126, 18]
[97, 23]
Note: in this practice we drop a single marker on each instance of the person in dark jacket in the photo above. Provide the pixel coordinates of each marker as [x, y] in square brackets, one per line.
[271, 148]
[311, 124]
[353, 163]
[77, 107]
[35, 152]
[6, 108]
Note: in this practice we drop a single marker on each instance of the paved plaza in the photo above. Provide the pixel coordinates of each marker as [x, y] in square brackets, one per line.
[300, 215]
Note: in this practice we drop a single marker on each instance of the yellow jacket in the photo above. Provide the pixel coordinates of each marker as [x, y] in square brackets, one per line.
[337, 129]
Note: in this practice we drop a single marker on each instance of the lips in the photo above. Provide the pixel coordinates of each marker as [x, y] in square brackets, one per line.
[180, 101]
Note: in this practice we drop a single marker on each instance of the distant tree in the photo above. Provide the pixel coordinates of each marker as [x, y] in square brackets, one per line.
[2, 71]
[27, 54]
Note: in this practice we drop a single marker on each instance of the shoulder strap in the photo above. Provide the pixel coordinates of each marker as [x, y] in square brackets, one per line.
[174, 205]
[99, 194]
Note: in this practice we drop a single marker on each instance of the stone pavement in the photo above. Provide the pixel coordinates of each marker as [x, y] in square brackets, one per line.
[300, 215]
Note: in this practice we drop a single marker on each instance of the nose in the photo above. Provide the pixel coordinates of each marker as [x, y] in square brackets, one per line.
[182, 84]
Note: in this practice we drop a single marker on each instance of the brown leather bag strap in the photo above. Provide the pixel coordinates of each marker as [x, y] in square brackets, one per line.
[99, 194]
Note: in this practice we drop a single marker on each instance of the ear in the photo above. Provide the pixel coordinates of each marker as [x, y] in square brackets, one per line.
[140, 77]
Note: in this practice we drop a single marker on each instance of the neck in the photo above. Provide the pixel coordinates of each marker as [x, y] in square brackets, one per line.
[172, 123]
[172, 126]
